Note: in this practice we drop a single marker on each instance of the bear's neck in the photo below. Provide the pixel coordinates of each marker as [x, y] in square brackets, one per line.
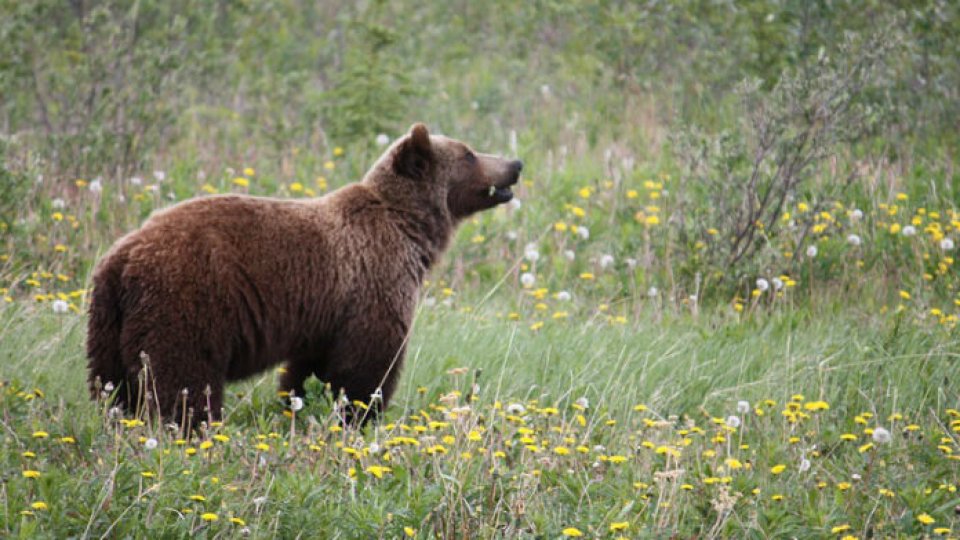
[428, 231]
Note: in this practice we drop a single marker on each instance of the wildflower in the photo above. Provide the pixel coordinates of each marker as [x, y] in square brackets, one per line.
[39, 505]
[378, 470]
[733, 421]
[587, 276]
[777, 469]
[237, 521]
[743, 407]
[572, 532]
[516, 409]
[31, 474]
[150, 443]
[582, 402]
[619, 526]
[942, 531]
[583, 232]
[410, 532]
[527, 280]
[926, 519]
[382, 139]
[839, 529]
[811, 251]
[804, 465]
[606, 260]
[762, 285]
[853, 240]
[60, 306]
[40, 434]
[946, 244]
[209, 516]
[530, 252]
[240, 181]
[881, 435]
[909, 230]
[296, 403]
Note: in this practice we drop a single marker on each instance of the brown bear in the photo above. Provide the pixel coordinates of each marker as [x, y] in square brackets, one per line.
[219, 288]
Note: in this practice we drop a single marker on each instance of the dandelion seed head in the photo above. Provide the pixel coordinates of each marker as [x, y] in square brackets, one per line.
[150, 443]
[811, 251]
[296, 403]
[527, 279]
[763, 285]
[382, 139]
[60, 306]
[743, 407]
[853, 240]
[909, 230]
[606, 261]
[733, 421]
[946, 244]
[881, 435]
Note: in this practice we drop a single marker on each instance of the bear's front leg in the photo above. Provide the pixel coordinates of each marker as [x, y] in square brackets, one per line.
[365, 367]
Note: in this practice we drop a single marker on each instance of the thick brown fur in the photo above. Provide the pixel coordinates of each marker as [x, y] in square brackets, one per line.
[219, 288]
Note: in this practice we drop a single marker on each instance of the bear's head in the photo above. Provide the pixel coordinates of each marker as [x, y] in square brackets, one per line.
[450, 170]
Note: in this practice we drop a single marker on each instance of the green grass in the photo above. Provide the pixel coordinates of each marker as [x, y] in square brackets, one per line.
[686, 371]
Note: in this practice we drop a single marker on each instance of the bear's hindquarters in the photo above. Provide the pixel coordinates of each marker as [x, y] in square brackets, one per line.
[104, 327]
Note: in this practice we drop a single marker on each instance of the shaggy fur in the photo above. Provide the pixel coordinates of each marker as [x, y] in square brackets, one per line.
[219, 288]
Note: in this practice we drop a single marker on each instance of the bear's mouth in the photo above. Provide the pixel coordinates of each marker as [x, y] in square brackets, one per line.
[502, 193]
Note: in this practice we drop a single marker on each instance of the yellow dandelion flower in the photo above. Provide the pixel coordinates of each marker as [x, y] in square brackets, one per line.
[40, 434]
[777, 469]
[584, 193]
[926, 519]
[31, 474]
[237, 521]
[619, 526]
[587, 276]
[241, 181]
[296, 187]
[652, 220]
[632, 194]
[248, 171]
[329, 165]
[942, 531]
[39, 505]
[198, 498]
[839, 529]
[572, 532]
[843, 486]
[410, 532]
[206, 445]
[338, 151]
[209, 516]
[378, 470]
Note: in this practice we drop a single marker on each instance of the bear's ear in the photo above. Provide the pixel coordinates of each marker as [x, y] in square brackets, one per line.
[414, 155]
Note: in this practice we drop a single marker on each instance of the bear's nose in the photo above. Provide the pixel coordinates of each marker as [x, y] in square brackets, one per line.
[518, 165]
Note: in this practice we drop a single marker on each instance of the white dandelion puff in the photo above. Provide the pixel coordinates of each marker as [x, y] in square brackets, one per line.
[296, 403]
[150, 443]
[811, 251]
[743, 407]
[60, 306]
[516, 409]
[853, 240]
[881, 435]
[563, 296]
[382, 139]
[527, 280]
[606, 261]
[763, 284]
[909, 230]
[733, 421]
[946, 244]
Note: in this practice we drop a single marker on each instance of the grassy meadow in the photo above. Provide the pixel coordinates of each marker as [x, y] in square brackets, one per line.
[723, 305]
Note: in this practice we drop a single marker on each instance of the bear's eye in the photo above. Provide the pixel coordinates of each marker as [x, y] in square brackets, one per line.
[470, 157]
